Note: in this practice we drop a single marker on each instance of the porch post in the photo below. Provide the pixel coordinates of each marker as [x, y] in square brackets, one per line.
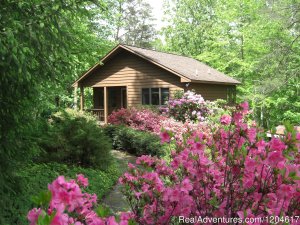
[105, 105]
[81, 98]
[75, 96]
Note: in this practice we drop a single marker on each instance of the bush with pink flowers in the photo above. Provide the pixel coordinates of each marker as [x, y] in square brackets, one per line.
[153, 122]
[233, 173]
[139, 119]
[66, 203]
[190, 107]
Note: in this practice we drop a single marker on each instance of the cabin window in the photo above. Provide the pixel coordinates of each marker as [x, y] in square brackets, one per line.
[145, 96]
[164, 96]
[155, 96]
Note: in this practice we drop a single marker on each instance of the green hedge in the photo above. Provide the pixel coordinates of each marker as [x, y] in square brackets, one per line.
[134, 141]
[36, 177]
[75, 138]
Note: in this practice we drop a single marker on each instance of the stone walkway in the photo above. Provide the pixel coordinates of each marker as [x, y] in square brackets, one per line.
[115, 199]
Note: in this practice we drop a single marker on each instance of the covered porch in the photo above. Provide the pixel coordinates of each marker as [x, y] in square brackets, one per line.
[105, 100]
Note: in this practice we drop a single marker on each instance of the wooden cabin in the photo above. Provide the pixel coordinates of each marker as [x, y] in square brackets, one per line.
[130, 76]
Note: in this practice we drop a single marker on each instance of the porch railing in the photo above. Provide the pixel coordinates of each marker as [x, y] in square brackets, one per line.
[99, 113]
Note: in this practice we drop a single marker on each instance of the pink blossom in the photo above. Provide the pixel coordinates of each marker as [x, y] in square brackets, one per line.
[225, 119]
[82, 180]
[165, 137]
[33, 215]
[245, 106]
[277, 145]
[252, 135]
[274, 158]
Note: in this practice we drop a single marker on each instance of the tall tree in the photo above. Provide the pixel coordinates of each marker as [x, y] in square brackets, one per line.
[43, 48]
[133, 22]
[189, 25]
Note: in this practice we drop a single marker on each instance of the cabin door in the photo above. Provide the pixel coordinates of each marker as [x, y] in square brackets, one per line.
[117, 98]
[123, 97]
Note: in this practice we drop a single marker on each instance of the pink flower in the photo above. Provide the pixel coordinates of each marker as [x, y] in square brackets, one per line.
[82, 180]
[245, 106]
[111, 221]
[274, 158]
[186, 185]
[145, 159]
[252, 134]
[225, 119]
[285, 191]
[60, 219]
[33, 215]
[165, 137]
[276, 145]
[261, 145]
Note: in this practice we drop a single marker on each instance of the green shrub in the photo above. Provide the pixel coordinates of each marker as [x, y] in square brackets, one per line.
[35, 177]
[75, 138]
[134, 141]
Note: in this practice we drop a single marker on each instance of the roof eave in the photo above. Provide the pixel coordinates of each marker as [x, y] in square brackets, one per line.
[85, 74]
[98, 64]
[215, 82]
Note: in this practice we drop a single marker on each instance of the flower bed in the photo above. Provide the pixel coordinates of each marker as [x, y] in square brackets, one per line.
[231, 173]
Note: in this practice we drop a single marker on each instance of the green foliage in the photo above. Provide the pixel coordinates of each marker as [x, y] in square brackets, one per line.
[153, 108]
[103, 211]
[35, 177]
[217, 109]
[178, 94]
[43, 48]
[42, 199]
[220, 33]
[75, 138]
[134, 141]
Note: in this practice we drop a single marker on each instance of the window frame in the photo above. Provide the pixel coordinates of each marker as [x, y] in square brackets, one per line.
[150, 95]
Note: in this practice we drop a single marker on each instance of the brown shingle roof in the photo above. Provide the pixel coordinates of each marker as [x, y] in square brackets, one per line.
[187, 67]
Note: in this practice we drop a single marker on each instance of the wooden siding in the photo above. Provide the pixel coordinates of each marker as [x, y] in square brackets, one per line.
[126, 69]
[210, 91]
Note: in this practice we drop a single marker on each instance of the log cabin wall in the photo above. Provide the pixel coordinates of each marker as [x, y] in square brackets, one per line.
[126, 69]
[211, 91]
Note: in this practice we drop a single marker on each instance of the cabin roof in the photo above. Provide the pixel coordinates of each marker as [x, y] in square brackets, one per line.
[280, 130]
[191, 70]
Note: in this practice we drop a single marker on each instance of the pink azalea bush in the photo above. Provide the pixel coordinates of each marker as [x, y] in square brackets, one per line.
[147, 120]
[139, 119]
[178, 130]
[190, 107]
[70, 205]
[233, 173]
[230, 171]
